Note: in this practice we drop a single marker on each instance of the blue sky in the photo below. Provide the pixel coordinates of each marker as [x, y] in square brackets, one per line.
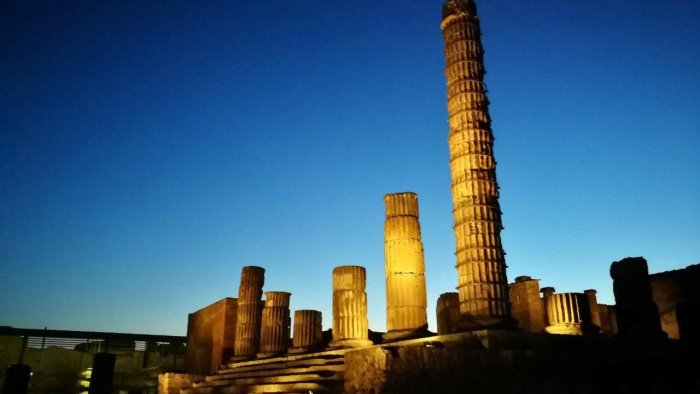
[149, 150]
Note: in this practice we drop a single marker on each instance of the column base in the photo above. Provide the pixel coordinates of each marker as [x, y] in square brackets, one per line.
[474, 323]
[399, 335]
[344, 343]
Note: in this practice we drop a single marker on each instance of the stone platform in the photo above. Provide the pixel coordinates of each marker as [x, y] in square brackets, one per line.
[486, 361]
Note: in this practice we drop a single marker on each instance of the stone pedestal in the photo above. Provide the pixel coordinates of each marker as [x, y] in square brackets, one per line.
[274, 332]
[447, 312]
[568, 314]
[102, 375]
[308, 331]
[635, 310]
[593, 307]
[526, 304]
[350, 328]
[406, 298]
[249, 312]
[481, 266]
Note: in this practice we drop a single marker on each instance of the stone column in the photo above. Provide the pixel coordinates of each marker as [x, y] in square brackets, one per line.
[406, 298]
[635, 310]
[349, 307]
[308, 332]
[274, 332]
[546, 292]
[593, 306]
[568, 314]
[247, 340]
[481, 265]
[447, 313]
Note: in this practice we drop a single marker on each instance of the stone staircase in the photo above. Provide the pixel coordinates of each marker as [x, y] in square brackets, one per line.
[321, 372]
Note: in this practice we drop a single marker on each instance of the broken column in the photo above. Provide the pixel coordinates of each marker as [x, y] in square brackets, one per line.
[274, 331]
[349, 307]
[593, 307]
[308, 332]
[481, 265]
[249, 312]
[568, 314]
[406, 298]
[447, 313]
[635, 310]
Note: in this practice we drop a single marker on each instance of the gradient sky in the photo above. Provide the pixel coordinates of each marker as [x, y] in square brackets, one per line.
[149, 150]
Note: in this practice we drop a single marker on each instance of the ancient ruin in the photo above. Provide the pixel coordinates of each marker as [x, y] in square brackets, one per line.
[349, 307]
[308, 331]
[481, 266]
[247, 341]
[274, 328]
[406, 299]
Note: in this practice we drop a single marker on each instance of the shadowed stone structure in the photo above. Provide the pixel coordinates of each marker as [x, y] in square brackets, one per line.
[248, 317]
[481, 266]
[526, 304]
[349, 307]
[593, 307]
[210, 336]
[568, 313]
[406, 298]
[447, 313]
[635, 310]
[274, 331]
[308, 331]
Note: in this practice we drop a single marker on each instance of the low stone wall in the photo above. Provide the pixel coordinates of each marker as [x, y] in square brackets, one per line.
[171, 383]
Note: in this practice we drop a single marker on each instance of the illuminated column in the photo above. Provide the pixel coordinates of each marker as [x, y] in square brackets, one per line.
[308, 333]
[245, 345]
[593, 306]
[349, 307]
[481, 266]
[405, 268]
[447, 313]
[568, 313]
[274, 331]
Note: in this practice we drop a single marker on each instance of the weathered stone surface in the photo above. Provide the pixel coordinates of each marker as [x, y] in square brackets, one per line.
[526, 304]
[677, 296]
[636, 312]
[210, 336]
[248, 318]
[568, 314]
[447, 313]
[349, 307]
[593, 306]
[308, 331]
[608, 322]
[481, 267]
[274, 334]
[171, 383]
[406, 298]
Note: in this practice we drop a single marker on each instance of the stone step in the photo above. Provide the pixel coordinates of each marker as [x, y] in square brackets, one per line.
[296, 378]
[234, 367]
[284, 388]
[277, 372]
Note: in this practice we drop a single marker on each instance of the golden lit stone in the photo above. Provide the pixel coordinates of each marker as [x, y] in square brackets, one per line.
[349, 307]
[249, 312]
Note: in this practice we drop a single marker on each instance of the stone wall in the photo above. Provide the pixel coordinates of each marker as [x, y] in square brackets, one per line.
[171, 383]
[210, 335]
[674, 289]
[526, 304]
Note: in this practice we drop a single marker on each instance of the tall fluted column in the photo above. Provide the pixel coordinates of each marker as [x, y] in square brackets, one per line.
[406, 297]
[447, 312]
[568, 313]
[274, 331]
[245, 345]
[349, 307]
[481, 266]
[308, 332]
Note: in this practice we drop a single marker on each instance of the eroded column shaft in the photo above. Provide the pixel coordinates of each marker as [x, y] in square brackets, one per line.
[481, 267]
[593, 307]
[274, 332]
[308, 332]
[568, 313]
[406, 298]
[349, 307]
[249, 312]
